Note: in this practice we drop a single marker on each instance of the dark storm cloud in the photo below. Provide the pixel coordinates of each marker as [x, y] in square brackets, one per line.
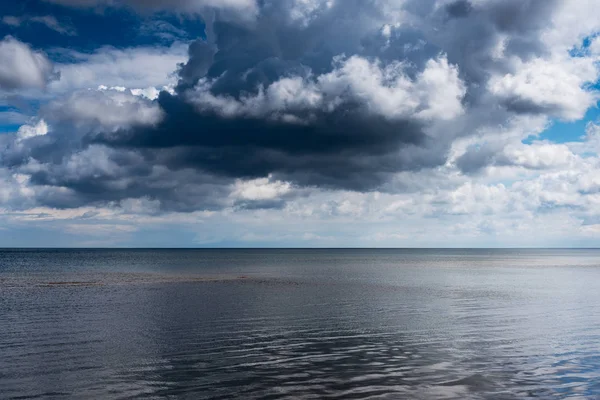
[459, 9]
[338, 149]
[201, 57]
[182, 190]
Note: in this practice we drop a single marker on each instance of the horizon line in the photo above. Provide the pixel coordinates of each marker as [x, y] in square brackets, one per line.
[295, 248]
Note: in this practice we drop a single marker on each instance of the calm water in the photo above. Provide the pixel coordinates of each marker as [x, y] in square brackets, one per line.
[497, 324]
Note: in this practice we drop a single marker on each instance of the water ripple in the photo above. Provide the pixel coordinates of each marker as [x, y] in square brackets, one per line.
[421, 330]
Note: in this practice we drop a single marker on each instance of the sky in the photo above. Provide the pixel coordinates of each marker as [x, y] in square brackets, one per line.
[299, 123]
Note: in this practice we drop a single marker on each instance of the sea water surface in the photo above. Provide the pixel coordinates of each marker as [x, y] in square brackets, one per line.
[300, 324]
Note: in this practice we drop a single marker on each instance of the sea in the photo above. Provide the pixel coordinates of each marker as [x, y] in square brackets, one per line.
[300, 324]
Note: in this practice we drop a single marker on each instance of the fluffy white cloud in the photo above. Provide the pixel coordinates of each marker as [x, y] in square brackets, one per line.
[260, 189]
[539, 155]
[29, 131]
[556, 87]
[22, 67]
[104, 110]
[134, 68]
[570, 24]
[284, 96]
[385, 90]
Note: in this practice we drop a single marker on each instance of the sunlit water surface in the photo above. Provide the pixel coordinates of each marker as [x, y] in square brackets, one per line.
[210, 324]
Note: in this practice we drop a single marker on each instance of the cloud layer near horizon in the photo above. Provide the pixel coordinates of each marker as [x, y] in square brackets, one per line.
[389, 113]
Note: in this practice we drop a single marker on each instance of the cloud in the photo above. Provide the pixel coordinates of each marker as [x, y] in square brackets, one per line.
[260, 189]
[29, 131]
[327, 114]
[102, 110]
[553, 87]
[535, 156]
[11, 21]
[239, 8]
[47, 20]
[22, 67]
[595, 46]
[132, 68]
[385, 91]
[353, 125]
[99, 229]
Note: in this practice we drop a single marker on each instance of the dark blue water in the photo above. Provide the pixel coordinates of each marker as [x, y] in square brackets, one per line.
[301, 324]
